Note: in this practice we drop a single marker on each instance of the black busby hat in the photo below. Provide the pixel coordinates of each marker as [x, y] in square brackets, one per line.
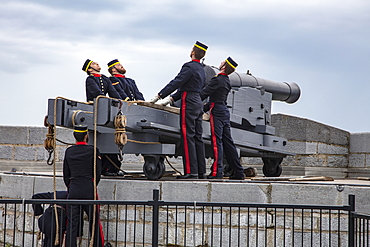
[86, 65]
[201, 46]
[80, 128]
[113, 62]
[231, 62]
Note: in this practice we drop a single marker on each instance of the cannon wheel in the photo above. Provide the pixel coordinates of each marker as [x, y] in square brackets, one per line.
[154, 167]
[272, 167]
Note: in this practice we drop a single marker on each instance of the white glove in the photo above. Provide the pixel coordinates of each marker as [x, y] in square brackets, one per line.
[165, 101]
[154, 99]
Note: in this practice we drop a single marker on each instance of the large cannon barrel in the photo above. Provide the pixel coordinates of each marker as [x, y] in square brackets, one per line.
[282, 91]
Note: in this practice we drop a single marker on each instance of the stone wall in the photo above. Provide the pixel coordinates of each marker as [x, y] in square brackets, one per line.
[22, 148]
[320, 149]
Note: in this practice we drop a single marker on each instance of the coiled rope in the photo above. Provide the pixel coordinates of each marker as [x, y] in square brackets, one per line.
[49, 143]
[120, 137]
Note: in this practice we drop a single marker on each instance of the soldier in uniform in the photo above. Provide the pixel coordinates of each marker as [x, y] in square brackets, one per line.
[222, 143]
[128, 91]
[189, 83]
[47, 222]
[78, 176]
[96, 83]
[126, 87]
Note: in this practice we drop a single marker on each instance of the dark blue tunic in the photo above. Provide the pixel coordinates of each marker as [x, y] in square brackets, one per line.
[191, 78]
[97, 84]
[126, 87]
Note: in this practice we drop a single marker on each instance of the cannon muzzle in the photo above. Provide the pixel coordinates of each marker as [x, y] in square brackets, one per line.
[282, 91]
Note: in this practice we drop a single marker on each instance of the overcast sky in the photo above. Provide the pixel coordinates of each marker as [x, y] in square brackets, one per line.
[322, 45]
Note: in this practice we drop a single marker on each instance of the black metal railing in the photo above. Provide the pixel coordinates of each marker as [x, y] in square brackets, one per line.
[161, 223]
[361, 231]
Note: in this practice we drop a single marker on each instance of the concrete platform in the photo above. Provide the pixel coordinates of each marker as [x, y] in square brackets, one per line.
[18, 185]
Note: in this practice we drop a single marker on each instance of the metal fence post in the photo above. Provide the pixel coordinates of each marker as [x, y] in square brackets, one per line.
[155, 221]
[351, 221]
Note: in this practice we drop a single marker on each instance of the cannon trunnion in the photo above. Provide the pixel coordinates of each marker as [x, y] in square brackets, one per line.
[154, 131]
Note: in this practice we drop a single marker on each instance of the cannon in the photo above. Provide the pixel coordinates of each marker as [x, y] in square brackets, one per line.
[153, 130]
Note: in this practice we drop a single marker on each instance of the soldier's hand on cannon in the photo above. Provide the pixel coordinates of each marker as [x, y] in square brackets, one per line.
[165, 101]
[154, 99]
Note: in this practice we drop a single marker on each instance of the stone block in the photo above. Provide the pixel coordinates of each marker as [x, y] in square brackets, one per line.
[207, 216]
[289, 161]
[360, 143]
[311, 161]
[41, 154]
[143, 233]
[185, 191]
[357, 160]
[323, 148]
[367, 160]
[339, 161]
[361, 196]
[334, 222]
[13, 135]
[46, 184]
[311, 148]
[248, 193]
[302, 147]
[6, 152]
[310, 194]
[130, 214]
[65, 135]
[37, 135]
[131, 190]
[16, 186]
[24, 153]
[334, 172]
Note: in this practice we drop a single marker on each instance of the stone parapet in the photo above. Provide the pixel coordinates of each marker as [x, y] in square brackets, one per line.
[301, 129]
[326, 193]
[316, 145]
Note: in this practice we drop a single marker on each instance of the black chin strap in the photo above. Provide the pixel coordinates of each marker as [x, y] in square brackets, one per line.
[94, 69]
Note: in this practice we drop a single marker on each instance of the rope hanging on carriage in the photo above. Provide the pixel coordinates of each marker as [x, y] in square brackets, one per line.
[120, 137]
[50, 146]
[49, 143]
[56, 242]
[94, 182]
